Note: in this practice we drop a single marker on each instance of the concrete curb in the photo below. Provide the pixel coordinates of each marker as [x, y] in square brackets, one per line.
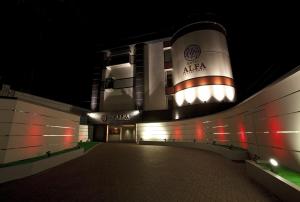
[282, 188]
[20, 171]
[236, 155]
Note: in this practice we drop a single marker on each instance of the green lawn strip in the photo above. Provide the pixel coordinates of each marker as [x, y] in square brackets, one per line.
[23, 161]
[87, 145]
[285, 173]
[30, 160]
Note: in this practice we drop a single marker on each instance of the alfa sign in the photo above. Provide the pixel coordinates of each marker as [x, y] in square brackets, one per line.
[200, 53]
[115, 117]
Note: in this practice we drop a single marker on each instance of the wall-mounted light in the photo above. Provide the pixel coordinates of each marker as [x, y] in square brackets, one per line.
[218, 92]
[179, 98]
[127, 64]
[190, 95]
[136, 112]
[204, 93]
[93, 115]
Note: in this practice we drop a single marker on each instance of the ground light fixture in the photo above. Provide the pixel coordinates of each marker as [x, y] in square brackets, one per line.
[274, 164]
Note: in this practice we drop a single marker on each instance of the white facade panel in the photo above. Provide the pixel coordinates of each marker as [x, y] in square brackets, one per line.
[155, 98]
[118, 99]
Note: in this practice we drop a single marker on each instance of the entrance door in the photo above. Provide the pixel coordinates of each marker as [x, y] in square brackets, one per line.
[114, 133]
[121, 133]
[128, 133]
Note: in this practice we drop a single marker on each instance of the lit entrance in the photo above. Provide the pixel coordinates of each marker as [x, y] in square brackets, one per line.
[121, 133]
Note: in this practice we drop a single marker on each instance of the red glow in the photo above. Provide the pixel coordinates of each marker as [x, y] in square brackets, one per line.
[275, 139]
[34, 131]
[242, 132]
[274, 125]
[69, 139]
[200, 132]
[242, 135]
[68, 131]
[221, 136]
[178, 133]
[33, 137]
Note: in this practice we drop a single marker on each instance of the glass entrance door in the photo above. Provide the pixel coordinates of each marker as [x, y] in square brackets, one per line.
[128, 133]
[121, 133]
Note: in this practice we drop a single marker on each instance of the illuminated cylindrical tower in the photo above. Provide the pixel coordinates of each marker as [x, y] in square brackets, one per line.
[201, 64]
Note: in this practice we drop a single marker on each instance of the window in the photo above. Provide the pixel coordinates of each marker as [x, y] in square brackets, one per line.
[168, 59]
[168, 79]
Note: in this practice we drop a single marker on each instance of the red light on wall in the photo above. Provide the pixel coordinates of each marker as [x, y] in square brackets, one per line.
[275, 139]
[68, 131]
[242, 135]
[242, 132]
[69, 137]
[200, 132]
[34, 126]
[178, 132]
[34, 131]
[221, 133]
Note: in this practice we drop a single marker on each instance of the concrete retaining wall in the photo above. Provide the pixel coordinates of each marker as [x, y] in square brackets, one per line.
[276, 184]
[28, 130]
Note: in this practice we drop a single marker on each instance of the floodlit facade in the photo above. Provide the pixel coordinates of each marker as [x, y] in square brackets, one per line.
[181, 89]
[163, 79]
[201, 65]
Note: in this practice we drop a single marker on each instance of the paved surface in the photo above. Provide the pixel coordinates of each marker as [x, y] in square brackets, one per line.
[128, 172]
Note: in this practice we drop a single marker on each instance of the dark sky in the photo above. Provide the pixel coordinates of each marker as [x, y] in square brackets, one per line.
[51, 45]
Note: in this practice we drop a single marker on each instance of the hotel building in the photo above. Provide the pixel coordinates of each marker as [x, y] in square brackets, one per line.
[185, 75]
[181, 89]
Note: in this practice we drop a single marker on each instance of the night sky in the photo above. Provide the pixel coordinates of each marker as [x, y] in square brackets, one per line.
[50, 46]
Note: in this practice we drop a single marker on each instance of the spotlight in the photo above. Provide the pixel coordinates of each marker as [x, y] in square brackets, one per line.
[274, 164]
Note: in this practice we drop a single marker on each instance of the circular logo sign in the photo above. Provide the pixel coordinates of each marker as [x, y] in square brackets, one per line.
[192, 52]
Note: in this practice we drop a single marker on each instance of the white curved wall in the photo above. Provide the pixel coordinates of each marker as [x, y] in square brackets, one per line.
[201, 59]
[28, 130]
[214, 55]
[267, 124]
